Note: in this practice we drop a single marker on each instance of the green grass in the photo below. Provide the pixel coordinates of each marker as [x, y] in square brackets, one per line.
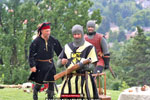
[18, 94]
[114, 94]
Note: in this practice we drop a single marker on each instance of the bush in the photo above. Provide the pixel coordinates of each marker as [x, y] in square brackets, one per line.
[15, 75]
[124, 86]
[2, 79]
[116, 84]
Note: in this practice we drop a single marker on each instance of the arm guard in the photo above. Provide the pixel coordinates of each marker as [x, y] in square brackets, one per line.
[106, 58]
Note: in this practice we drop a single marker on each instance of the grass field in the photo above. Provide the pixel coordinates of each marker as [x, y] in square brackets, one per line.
[18, 94]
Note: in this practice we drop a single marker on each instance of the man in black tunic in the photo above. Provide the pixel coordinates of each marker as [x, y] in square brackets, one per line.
[41, 60]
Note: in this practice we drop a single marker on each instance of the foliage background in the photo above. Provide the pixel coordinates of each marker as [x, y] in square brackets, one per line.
[18, 23]
[129, 58]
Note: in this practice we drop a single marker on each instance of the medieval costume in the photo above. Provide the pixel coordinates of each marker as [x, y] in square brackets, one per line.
[41, 57]
[100, 44]
[76, 52]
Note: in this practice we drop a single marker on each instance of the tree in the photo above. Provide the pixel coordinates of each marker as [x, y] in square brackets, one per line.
[64, 14]
[141, 18]
[113, 36]
[18, 23]
[121, 36]
[104, 26]
[15, 39]
[134, 60]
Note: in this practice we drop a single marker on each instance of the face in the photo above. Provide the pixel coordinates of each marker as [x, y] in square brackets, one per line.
[46, 33]
[77, 36]
[90, 29]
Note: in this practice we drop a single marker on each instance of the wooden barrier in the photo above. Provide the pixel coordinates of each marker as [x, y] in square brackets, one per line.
[102, 95]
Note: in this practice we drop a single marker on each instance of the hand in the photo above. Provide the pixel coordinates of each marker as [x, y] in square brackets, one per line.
[33, 69]
[85, 68]
[64, 61]
[80, 64]
[106, 67]
[89, 67]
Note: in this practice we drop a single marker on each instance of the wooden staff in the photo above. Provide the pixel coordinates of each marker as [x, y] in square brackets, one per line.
[10, 86]
[69, 70]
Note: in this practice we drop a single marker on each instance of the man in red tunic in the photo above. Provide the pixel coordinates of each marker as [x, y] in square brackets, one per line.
[100, 44]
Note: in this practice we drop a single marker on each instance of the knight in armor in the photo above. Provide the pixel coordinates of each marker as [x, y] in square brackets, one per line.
[100, 43]
[41, 60]
[75, 53]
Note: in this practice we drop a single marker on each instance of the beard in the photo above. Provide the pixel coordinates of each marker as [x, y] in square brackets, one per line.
[78, 42]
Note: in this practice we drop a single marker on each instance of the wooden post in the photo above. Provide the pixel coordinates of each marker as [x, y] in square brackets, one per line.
[99, 81]
[102, 96]
[104, 83]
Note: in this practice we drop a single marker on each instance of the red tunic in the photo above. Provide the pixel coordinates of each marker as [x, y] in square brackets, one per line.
[96, 41]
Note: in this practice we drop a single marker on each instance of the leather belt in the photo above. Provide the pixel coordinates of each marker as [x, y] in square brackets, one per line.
[47, 60]
[77, 74]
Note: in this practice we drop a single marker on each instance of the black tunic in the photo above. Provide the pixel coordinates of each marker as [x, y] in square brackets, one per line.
[40, 51]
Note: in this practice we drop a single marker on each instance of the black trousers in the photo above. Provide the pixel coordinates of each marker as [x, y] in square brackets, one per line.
[50, 90]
